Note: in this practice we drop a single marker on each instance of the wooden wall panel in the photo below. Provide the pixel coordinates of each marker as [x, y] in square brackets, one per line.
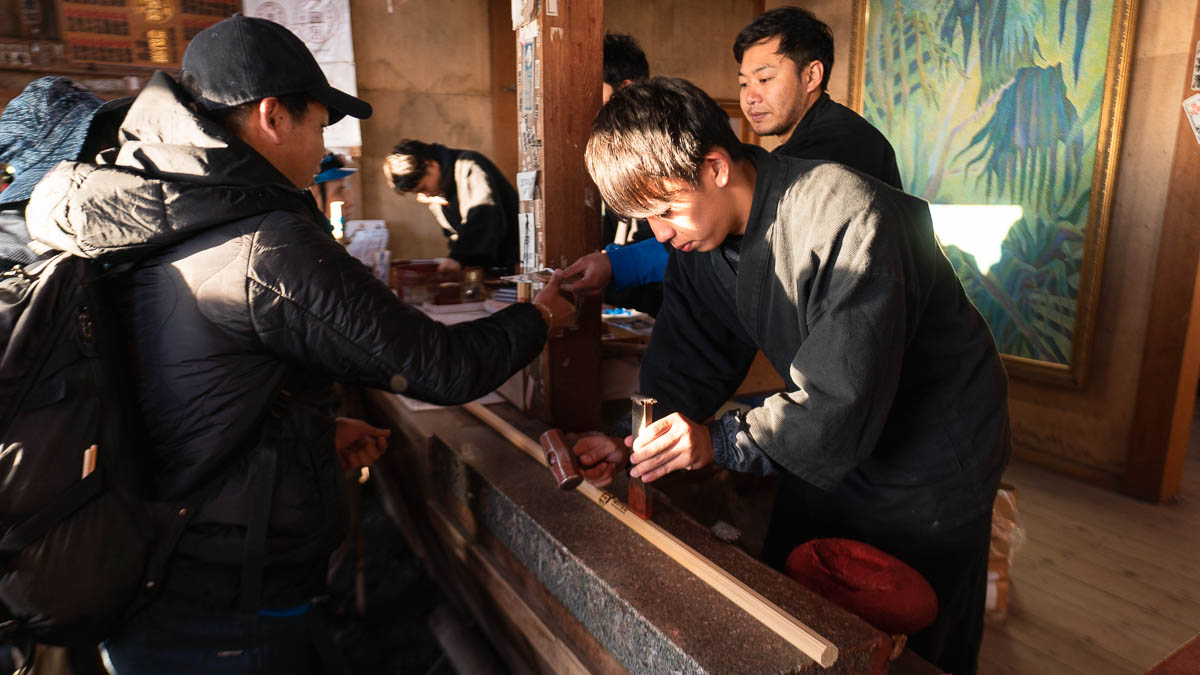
[560, 94]
[686, 39]
[504, 87]
[426, 69]
[1166, 390]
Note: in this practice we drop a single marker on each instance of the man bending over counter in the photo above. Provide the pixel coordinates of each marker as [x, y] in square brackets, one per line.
[893, 429]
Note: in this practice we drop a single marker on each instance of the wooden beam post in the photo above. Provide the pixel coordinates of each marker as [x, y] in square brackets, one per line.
[1162, 418]
[559, 61]
[504, 87]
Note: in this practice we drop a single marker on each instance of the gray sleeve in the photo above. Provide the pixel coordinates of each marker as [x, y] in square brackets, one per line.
[734, 448]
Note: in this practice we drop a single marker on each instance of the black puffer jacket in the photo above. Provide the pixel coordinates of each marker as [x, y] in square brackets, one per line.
[240, 318]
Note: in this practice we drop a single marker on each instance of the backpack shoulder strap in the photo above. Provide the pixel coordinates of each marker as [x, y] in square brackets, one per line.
[39, 523]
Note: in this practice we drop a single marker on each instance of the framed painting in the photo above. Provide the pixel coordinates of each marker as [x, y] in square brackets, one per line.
[1006, 117]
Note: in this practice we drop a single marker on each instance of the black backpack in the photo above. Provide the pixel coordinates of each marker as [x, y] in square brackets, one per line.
[80, 545]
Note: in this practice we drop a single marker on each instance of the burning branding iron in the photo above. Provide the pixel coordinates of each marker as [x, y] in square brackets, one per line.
[639, 499]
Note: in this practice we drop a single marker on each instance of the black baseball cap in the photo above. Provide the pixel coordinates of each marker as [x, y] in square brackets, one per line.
[244, 59]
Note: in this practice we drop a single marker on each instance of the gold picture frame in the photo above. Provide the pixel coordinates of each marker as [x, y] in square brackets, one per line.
[987, 99]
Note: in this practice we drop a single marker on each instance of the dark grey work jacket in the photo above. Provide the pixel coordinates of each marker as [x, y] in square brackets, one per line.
[896, 393]
[240, 315]
[830, 131]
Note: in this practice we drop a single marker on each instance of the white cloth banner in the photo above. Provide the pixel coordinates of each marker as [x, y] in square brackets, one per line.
[324, 26]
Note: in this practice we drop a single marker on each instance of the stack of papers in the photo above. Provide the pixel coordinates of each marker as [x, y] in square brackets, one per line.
[366, 245]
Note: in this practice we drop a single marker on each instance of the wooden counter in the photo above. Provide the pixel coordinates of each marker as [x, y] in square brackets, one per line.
[559, 586]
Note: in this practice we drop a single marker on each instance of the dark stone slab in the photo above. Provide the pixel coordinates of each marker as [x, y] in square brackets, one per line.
[648, 611]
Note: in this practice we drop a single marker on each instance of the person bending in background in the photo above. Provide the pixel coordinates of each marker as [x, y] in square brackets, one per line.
[471, 199]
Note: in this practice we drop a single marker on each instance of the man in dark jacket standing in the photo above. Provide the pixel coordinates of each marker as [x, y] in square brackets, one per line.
[241, 313]
[894, 426]
[473, 202]
[785, 57]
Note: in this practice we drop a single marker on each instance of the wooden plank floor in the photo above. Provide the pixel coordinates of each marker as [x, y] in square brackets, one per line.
[1104, 583]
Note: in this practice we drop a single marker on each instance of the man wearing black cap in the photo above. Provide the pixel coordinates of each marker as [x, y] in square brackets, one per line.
[240, 314]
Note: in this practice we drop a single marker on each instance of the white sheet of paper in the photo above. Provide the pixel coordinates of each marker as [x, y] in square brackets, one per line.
[528, 242]
[414, 404]
[522, 12]
[366, 245]
[1196, 69]
[352, 226]
[324, 26]
[1191, 108]
[526, 183]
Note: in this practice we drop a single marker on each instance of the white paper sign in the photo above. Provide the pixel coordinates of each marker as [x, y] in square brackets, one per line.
[526, 182]
[324, 26]
[528, 241]
[1196, 69]
[1191, 108]
[522, 12]
[353, 226]
[528, 32]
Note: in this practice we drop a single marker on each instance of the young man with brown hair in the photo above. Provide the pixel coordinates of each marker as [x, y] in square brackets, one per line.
[894, 426]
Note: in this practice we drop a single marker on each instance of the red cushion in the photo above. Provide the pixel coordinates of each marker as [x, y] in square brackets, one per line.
[860, 578]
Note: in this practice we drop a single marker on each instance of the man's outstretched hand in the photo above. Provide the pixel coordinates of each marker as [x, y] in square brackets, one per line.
[596, 271]
[359, 444]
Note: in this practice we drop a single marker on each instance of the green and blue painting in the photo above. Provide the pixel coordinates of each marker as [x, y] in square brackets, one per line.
[994, 109]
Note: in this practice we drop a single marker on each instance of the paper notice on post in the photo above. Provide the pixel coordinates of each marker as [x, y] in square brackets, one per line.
[527, 231]
[522, 12]
[1191, 108]
[526, 182]
[1196, 69]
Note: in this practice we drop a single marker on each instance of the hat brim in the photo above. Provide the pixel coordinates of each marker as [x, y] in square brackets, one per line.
[341, 104]
[332, 174]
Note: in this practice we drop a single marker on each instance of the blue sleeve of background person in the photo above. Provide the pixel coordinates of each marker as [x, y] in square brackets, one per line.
[637, 264]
